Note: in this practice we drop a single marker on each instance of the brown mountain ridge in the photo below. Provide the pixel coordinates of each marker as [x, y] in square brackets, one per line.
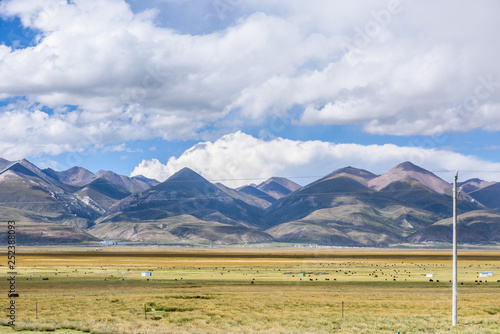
[348, 207]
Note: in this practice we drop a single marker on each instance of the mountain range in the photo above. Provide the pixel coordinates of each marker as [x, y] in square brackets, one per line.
[348, 207]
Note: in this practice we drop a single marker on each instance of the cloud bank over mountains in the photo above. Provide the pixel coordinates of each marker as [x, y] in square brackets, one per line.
[238, 159]
[99, 70]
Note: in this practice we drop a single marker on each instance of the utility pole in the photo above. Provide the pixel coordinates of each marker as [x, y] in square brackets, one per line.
[455, 200]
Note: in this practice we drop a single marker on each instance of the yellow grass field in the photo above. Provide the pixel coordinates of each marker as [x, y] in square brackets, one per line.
[252, 291]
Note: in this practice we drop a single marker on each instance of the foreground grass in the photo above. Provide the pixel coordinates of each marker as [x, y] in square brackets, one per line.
[200, 291]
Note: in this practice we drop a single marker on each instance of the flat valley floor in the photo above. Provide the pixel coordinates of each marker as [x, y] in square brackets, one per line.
[251, 291]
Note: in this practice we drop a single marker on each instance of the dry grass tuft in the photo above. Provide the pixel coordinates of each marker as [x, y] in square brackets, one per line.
[212, 291]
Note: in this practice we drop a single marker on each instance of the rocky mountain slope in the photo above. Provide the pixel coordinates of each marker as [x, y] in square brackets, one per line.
[341, 209]
[184, 206]
[278, 187]
[348, 207]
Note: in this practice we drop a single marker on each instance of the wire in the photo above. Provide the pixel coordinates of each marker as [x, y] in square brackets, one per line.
[205, 197]
[368, 189]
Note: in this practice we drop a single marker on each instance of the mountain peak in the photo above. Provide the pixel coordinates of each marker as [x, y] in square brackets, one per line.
[4, 163]
[146, 180]
[355, 172]
[408, 170]
[26, 168]
[278, 187]
[26, 163]
[360, 175]
[19, 169]
[475, 180]
[102, 173]
[76, 176]
[288, 184]
[253, 191]
[410, 167]
[186, 174]
[474, 184]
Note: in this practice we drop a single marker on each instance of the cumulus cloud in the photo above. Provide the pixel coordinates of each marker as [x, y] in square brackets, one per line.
[396, 68]
[28, 130]
[417, 68]
[237, 159]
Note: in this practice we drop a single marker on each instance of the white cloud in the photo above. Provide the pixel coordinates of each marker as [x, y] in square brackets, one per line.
[119, 148]
[422, 68]
[26, 130]
[239, 159]
[153, 169]
[422, 65]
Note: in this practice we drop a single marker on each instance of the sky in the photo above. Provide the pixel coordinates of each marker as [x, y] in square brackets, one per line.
[242, 90]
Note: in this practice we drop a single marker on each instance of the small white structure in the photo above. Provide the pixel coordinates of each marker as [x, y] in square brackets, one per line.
[107, 243]
[486, 274]
[429, 275]
[146, 273]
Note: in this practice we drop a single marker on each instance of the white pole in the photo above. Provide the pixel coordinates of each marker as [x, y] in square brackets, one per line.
[455, 199]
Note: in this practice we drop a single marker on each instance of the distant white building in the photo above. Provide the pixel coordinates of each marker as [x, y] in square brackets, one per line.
[146, 273]
[429, 275]
[486, 274]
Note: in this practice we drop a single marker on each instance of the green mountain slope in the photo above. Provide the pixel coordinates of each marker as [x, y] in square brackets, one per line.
[185, 193]
[488, 196]
[177, 230]
[348, 207]
[319, 195]
[480, 226]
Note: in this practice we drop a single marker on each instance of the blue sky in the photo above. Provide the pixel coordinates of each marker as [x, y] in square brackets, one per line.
[241, 90]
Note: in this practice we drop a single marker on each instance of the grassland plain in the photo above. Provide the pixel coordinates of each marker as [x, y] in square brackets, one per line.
[252, 291]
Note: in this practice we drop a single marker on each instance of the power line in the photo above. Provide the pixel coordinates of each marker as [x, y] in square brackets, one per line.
[368, 189]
